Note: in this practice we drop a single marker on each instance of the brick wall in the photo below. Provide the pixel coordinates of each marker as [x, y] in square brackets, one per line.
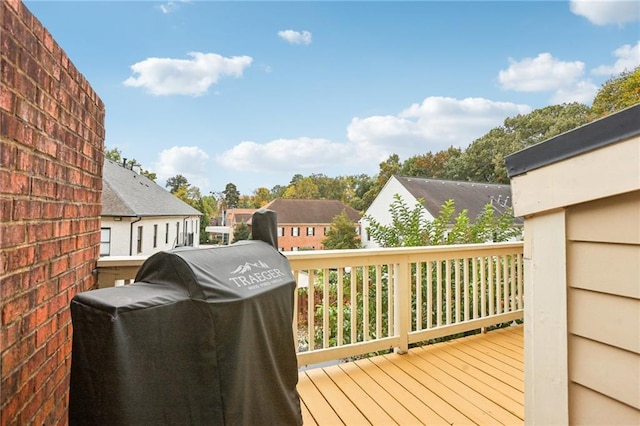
[51, 154]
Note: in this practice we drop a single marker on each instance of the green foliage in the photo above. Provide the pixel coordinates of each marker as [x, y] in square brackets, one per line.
[617, 93]
[261, 196]
[409, 228]
[342, 234]
[483, 160]
[241, 232]
[231, 196]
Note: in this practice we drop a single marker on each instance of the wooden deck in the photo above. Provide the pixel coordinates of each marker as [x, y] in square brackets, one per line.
[473, 380]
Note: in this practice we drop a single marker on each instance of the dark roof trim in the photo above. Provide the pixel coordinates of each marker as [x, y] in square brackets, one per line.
[597, 134]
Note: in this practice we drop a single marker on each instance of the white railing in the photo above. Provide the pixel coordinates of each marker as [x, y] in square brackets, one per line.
[355, 302]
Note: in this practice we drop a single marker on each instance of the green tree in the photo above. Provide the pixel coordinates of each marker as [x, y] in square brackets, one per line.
[342, 234]
[483, 160]
[231, 196]
[261, 196]
[430, 165]
[241, 232]
[304, 188]
[617, 93]
[175, 183]
[409, 228]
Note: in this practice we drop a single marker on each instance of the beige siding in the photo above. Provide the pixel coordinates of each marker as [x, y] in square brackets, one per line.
[603, 310]
[610, 220]
[592, 408]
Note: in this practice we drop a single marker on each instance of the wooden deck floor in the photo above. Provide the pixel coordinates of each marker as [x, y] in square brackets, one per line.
[473, 380]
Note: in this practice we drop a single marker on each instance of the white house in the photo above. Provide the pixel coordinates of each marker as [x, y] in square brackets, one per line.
[472, 196]
[139, 217]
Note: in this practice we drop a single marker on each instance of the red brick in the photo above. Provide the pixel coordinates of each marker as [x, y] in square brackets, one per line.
[13, 308]
[27, 209]
[18, 182]
[46, 291]
[12, 234]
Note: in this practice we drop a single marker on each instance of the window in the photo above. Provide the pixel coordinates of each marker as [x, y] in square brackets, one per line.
[294, 248]
[155, 236]
[105, 241]
[326, 230]
[177, 233]
[280, 231]
[295, 231]
[139, 239]
[311, 231]
[166, 234]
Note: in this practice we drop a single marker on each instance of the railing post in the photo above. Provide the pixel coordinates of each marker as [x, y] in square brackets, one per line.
[402, 305]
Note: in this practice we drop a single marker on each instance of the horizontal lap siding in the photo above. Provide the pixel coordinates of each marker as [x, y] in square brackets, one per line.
[603, 272]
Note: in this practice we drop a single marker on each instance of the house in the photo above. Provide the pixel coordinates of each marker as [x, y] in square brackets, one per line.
[139, 217]
[222, 227]
[303, 224]
[472, 196]
[580, 195]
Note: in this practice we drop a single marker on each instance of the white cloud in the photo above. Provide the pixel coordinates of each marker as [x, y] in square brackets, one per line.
[583, 91]
[168, 7]
[166, 76]
[284, 154]
[603, 12]
[432, 125]
[542, 73]
[188, 161]
[295, 37]
[628, 59]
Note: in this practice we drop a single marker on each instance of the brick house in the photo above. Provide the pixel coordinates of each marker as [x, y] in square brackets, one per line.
[139, 217]
[302, 224]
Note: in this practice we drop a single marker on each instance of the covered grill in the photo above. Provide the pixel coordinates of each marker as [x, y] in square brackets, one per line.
[203, 336]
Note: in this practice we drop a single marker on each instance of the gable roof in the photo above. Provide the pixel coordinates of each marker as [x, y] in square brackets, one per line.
[472, 196]
[127, 193]
[310, 211]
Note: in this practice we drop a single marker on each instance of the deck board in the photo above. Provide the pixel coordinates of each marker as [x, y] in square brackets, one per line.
[474, 380]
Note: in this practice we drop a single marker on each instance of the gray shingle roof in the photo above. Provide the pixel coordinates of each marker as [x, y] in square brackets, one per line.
[310, 211]
[127, 193]
[472, 196]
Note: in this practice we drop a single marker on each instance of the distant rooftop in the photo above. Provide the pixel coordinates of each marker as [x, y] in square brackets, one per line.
[310, 211]
[472, 196]
[127, 193]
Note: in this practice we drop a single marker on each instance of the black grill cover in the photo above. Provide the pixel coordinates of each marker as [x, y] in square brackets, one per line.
[203, 337]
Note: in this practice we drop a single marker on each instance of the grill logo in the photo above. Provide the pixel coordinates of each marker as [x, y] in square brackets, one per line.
[254, 275]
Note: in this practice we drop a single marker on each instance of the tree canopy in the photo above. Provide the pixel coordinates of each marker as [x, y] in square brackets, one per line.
[409, 228]
[342, 234]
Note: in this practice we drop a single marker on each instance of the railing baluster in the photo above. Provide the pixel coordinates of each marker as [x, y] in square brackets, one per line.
[456, 269]
[353, 289]
[326, 306]
[483, 288]
[439, 293]
[498, 294]
[418, 278]
[365, 302]
[429, 295]
[505, 284]
[491, 284]
[340, 307]
[296, 293]
[378, 301]
[311, 311]
[447, 268]
[465, 291]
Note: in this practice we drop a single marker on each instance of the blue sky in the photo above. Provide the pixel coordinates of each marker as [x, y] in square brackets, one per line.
[252, 93]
